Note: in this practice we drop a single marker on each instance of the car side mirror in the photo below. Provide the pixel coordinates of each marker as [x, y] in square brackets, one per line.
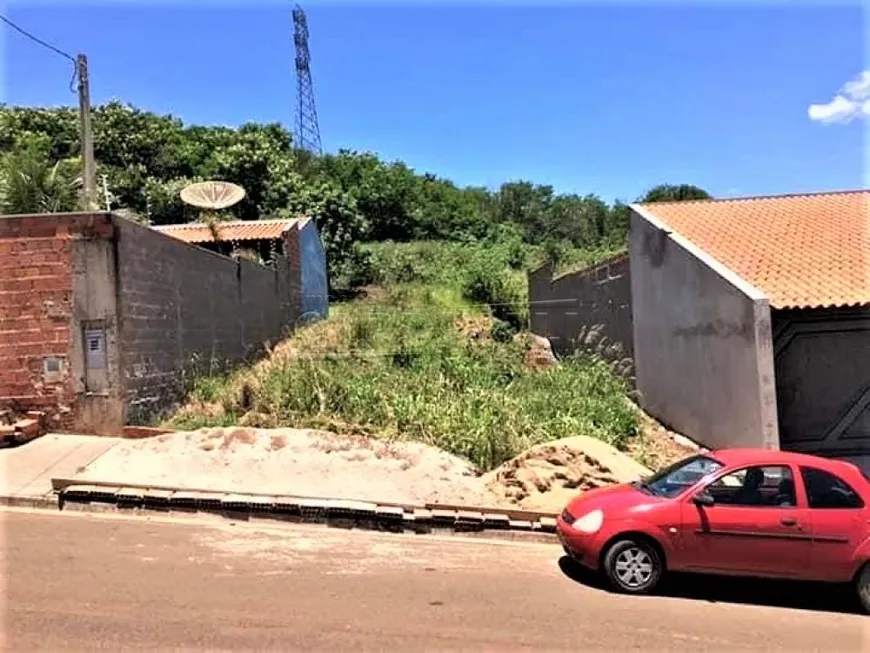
[704, 499]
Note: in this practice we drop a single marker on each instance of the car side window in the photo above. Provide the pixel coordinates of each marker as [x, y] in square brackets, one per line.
[757, 487]
[828, 491]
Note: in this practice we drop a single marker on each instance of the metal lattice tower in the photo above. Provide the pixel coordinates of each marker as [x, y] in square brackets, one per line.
[307, 129]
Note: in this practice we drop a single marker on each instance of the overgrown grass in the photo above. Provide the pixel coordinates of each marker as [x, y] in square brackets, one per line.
[484, 274]
[407, 366]
[447, 263]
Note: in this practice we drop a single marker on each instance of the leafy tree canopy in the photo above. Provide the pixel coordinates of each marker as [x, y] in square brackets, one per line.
[670, 193]
[356, 197]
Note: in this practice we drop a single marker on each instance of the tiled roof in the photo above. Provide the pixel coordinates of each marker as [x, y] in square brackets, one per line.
[802, 251]
[237, 230]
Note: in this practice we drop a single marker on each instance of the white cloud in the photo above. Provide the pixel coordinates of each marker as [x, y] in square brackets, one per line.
[860, 87]
[853, 101]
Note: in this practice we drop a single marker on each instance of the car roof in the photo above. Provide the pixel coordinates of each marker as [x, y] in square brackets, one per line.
[740, 456]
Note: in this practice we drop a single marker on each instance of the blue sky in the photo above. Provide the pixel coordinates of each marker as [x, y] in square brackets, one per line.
[590, 99]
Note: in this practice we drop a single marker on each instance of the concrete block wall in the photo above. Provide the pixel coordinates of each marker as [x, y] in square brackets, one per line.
[184, 309]
[561, 307]
[702, 343]
[40, 351]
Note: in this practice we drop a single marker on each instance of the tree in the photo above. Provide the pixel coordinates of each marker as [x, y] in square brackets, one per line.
[443, 211]
[619, 221]
[671, 193]
[386, 194]
[57, 126]
[340, 224]
[125, 136]
[163, 201]
[355, 196]
[257, 157]
[528, 206]
[31, 183]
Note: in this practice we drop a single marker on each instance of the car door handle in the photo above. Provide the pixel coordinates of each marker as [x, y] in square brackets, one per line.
[788, 521]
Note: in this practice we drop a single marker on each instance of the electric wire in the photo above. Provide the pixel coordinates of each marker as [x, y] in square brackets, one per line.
[46, 45]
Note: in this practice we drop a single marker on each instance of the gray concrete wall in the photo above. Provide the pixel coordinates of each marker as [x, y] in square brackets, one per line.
[58, 320]
[184, 308]
[702, 342]
[315, 289]
[95, 343]
[565, 307]
[822, 359]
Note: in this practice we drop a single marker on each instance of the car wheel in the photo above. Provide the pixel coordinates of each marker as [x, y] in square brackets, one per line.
[633, 566]
[862, 585]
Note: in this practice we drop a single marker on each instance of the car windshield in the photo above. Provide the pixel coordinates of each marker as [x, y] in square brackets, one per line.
[677, 478]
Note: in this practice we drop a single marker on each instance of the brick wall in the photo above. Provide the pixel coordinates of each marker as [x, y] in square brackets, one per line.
[37, 349]
[101, 317]
[561, 308]
[182, 306]
[293, 259]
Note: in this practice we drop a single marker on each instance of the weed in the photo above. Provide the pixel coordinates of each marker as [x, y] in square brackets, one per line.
[398, 367]
[502, 331]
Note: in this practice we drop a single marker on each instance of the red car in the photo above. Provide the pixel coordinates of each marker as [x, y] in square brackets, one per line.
[743, 512]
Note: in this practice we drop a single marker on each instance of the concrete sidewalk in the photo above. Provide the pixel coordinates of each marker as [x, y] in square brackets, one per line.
[42, 474]
[27, 470]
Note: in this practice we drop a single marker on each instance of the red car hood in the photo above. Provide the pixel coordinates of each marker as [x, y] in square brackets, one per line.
[613, 499]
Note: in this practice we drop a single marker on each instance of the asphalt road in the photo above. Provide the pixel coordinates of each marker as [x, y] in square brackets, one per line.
[78, 582]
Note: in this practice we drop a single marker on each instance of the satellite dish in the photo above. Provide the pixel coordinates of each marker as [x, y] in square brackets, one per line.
[214, 195]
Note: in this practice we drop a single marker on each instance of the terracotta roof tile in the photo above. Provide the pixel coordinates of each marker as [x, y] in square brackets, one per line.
[802, 251]
[238, 230]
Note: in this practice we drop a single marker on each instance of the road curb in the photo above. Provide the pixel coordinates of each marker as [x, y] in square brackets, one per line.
[42, 503]
[429, 519]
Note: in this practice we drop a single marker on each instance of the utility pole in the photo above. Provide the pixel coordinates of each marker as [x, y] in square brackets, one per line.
[86, 136]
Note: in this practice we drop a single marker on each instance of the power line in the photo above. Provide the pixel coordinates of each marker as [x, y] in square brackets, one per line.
[80, 72]
[49, 46]
[36, 39]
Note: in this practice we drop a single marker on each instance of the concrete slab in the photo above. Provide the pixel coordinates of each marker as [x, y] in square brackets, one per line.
[27, 470]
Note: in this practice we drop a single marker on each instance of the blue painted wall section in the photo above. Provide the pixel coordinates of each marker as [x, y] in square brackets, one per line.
[315, 290]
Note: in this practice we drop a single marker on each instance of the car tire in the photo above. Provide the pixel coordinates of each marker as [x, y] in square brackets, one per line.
[862, 586]
[633, 566]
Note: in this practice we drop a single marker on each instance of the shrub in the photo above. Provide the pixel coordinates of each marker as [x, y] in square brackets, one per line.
[398, 368]
[504, 293]
[502, 331]
[357, 270]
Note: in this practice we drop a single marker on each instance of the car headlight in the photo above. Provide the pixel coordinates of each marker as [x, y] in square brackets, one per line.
[589, 523]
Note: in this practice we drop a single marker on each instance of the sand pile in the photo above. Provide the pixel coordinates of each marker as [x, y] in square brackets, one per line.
[547, 476]
[292, 461]
[322, 464]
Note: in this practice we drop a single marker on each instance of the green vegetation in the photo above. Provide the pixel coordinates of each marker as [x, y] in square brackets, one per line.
[489, 273]
[356, 197]
[31, 183]
[421, 360]
[437, 352]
